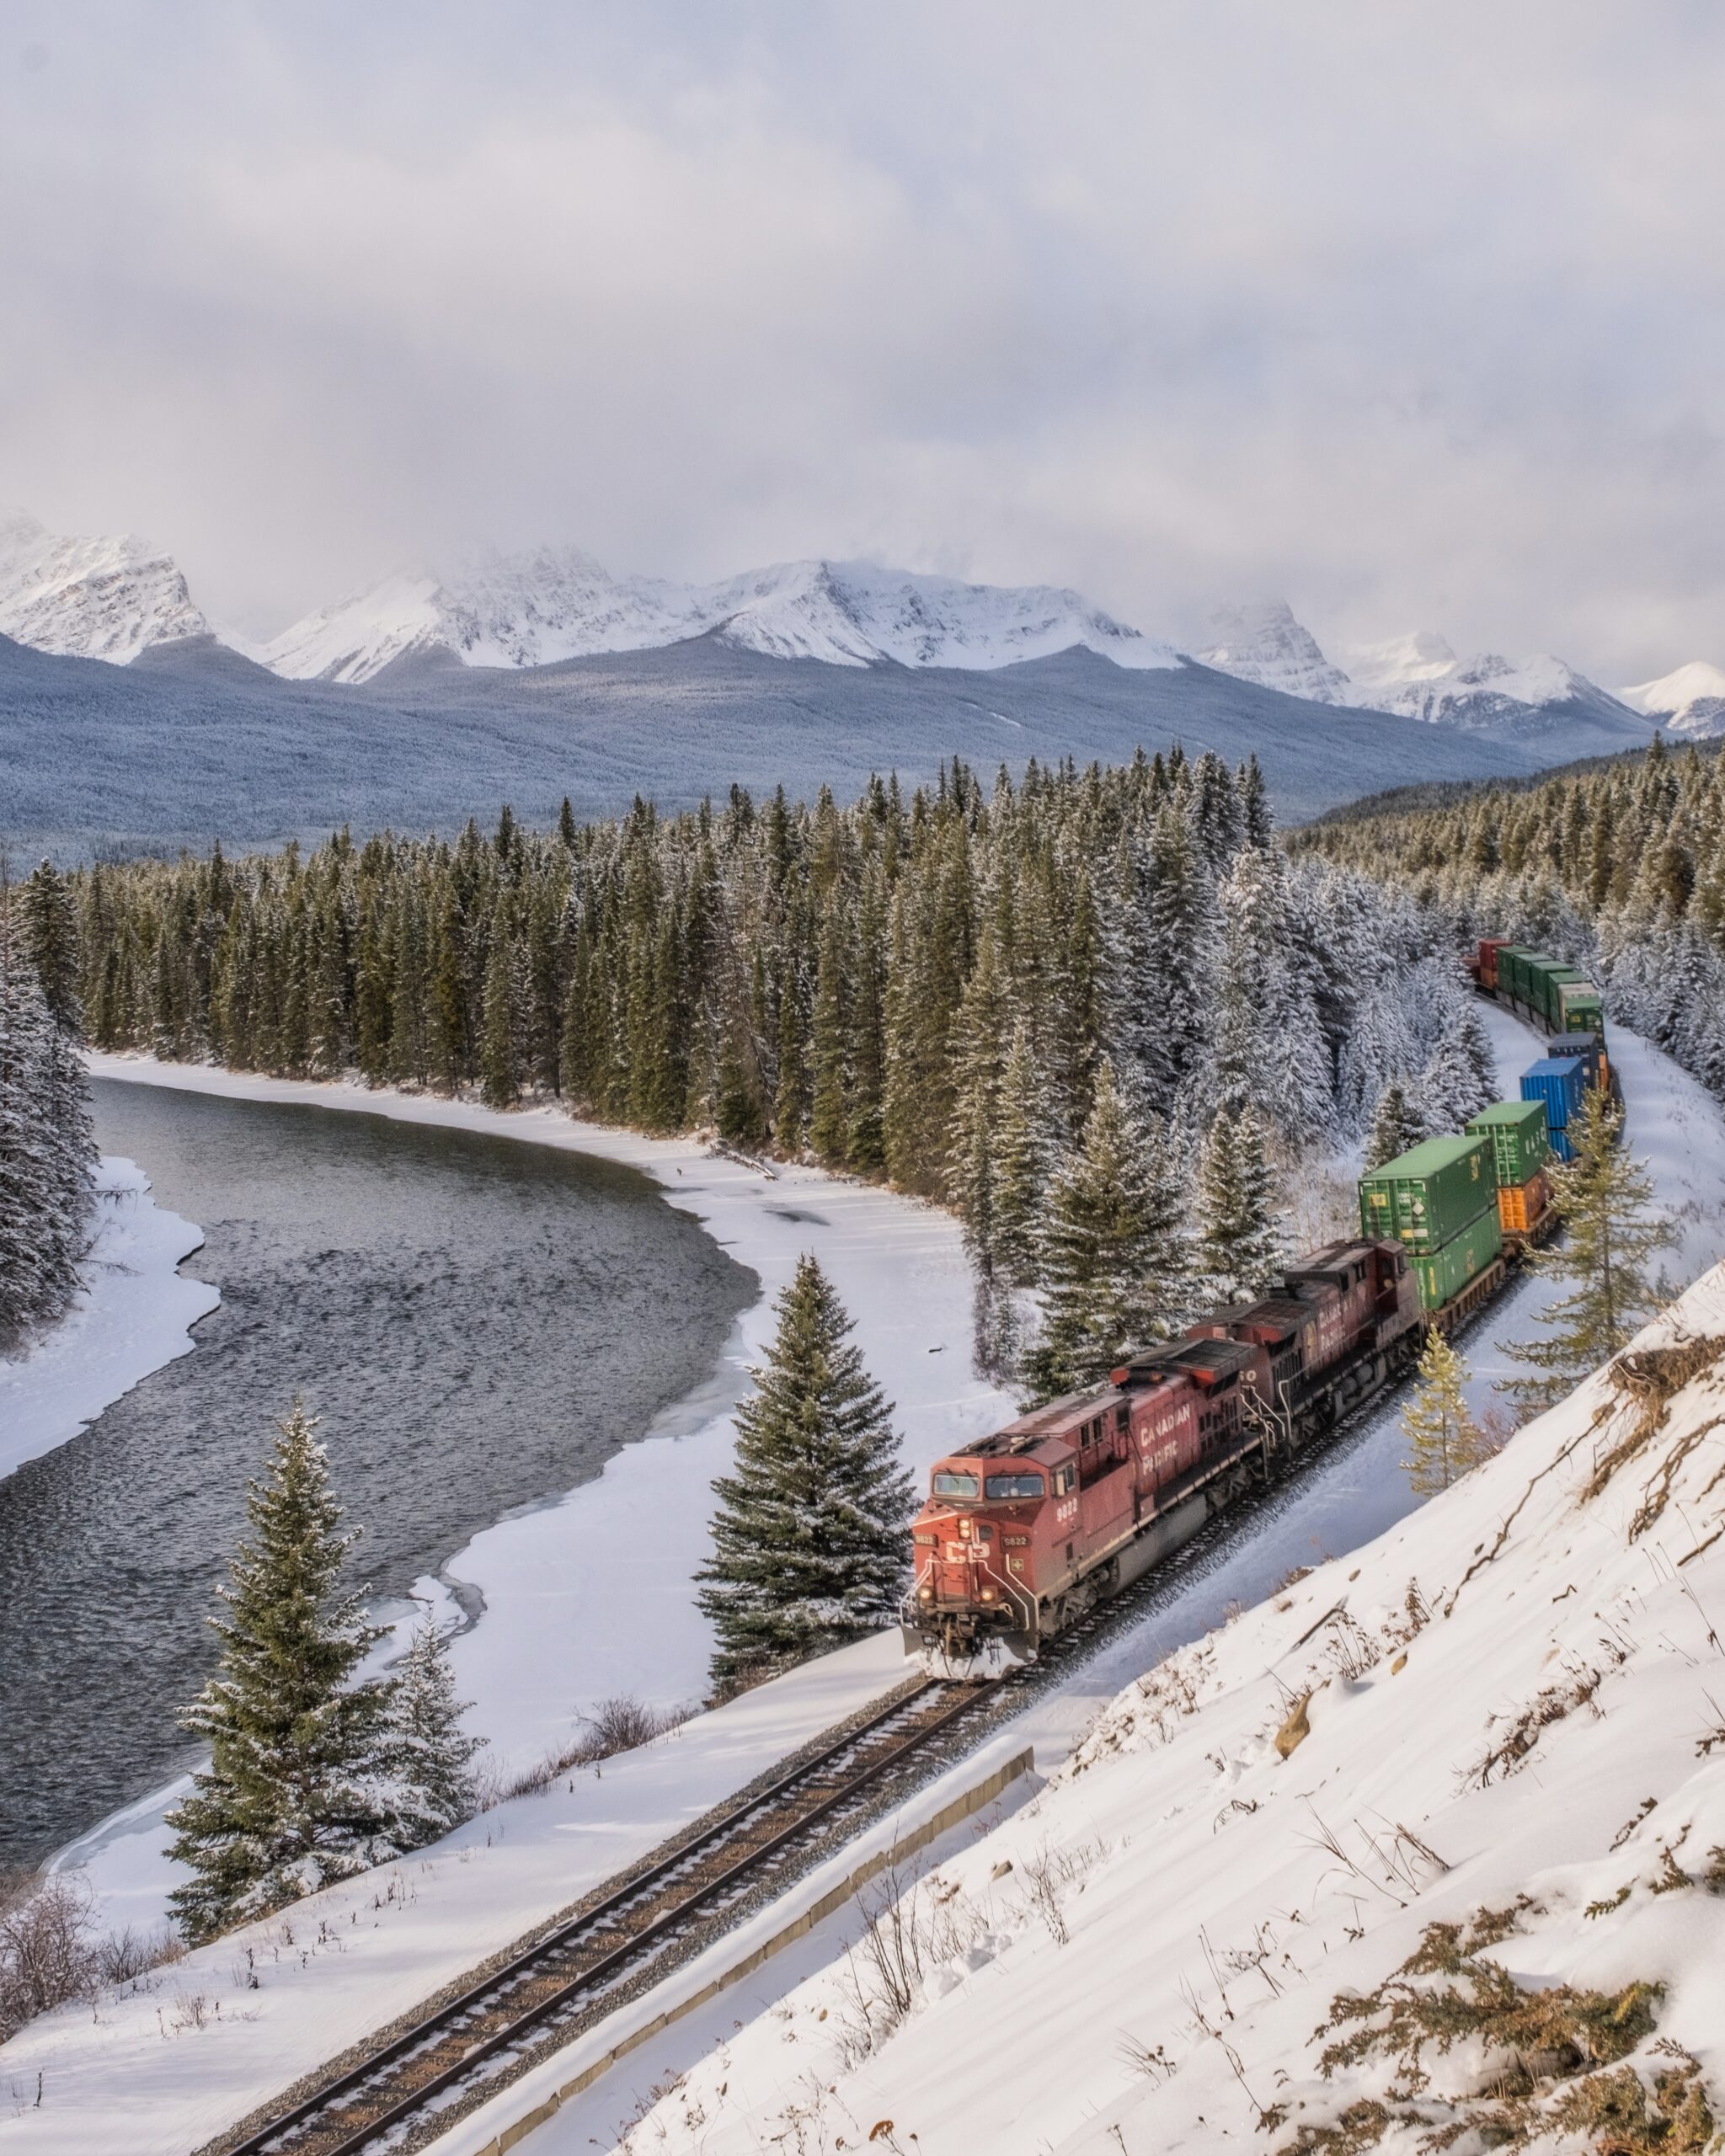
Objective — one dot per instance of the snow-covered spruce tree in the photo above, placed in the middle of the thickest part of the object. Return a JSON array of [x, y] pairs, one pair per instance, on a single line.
[[46, 1149], [1444, 1441], [49, 923], [295, 1793], [809, 1537], [1239, 1247], [426, 1752], [1603, 1199], [1020, 1164], [1396, 1127], [1114, 1263]]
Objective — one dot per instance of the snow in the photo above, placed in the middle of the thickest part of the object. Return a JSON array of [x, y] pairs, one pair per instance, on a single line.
[[556, 603], [1385, 1746], [140, 2075], [1421, 676], [553, 1579], [134, 1313], [1217, 1897], [1692, 699], [1264, 643], [104, 598], [1418, 676]]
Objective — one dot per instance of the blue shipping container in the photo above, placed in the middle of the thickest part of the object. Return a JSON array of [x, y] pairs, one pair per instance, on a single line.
[[1559, 1081], [1560, 1145]]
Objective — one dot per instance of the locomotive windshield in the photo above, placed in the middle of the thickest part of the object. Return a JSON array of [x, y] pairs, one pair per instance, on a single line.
[[948, 1485], [1014, 1486]]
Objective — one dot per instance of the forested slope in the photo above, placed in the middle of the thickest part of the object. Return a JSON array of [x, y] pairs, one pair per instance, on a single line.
[[1619, 868], [929, 989]]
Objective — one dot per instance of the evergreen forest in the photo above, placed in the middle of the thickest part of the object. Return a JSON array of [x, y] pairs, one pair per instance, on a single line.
[[1619, 868], [947, 991], [46, 1151]]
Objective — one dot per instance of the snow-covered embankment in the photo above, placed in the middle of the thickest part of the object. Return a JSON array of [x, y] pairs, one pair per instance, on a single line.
[[134, 1313], [1514, 1702]]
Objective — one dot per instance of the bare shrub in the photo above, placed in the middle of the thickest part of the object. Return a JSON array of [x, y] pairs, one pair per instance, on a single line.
[[911, 1927], [51, 1951], [1050, 1877], [621, 1723]]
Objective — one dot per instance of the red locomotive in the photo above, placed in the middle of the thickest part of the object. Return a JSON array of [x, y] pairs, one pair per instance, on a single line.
[[1026, 1530]]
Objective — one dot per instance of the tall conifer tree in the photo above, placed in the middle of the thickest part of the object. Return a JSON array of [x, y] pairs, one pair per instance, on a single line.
[[1604, 1201], [1239, 1228], [295, 1793], [809, 1538], [1113, 1257]]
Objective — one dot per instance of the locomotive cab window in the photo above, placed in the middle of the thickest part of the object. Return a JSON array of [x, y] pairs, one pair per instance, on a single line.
[[948, 1485], [1062, 1479], [1014, 1486]]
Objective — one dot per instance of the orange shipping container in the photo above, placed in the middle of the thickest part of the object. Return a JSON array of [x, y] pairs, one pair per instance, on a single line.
[[1520, 1205]]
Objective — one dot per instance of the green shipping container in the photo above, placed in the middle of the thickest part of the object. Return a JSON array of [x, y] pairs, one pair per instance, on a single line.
[[1516, 1130], [1544, 977], [1514, 973], [1442, 1275], [1579, 1010], [1429, 1195]]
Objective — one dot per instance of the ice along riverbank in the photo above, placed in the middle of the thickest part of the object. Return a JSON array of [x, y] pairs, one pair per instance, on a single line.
[[134, 1313], [592, 1594]]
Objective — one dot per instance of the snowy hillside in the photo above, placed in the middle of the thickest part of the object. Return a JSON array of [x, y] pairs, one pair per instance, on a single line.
[[536, 609], [1690, 702], [90, 598], [1431, 1844]]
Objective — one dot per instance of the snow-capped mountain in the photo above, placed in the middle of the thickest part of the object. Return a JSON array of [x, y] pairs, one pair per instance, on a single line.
[[1690, 702], [90, 598], [1264, 643], [1419, 675], [534, 609]]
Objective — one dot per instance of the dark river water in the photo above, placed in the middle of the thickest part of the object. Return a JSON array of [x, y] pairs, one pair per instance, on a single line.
[[480, 1323]]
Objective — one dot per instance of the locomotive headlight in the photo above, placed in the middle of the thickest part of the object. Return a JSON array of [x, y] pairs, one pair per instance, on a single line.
[[988, 1594], [925, 1594]]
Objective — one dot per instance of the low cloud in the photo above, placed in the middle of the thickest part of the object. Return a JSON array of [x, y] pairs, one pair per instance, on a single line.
[[1413, 315]]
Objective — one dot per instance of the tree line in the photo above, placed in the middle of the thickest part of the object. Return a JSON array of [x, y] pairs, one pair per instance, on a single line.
[[47, 1154], [975, 993], [1619, 869]]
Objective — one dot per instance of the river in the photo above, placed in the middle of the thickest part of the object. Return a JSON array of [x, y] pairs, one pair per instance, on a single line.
[[479, 1324]]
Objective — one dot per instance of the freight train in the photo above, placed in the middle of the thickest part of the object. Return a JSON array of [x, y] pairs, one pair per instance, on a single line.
[[1027, 1530]]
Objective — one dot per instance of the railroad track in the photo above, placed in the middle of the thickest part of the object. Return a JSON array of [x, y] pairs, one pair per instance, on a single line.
[[571, 1970]]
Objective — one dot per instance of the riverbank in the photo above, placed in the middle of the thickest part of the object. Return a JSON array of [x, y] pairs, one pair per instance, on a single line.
[[592, 1594], [411, 1925], [134, 1313]]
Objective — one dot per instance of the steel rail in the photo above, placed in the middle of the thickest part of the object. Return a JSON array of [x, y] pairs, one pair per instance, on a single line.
[[303, 2119]]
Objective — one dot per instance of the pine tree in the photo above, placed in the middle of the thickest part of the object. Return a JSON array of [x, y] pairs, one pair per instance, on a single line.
[[1395, 1129], [809, 1538], [293, 1796], [1020, 1165], [426, 1752], [46, 1149], [51, 941], [1114, 1254], [1444, 1441], [499, 1067], [1239, 1246], [1603, 1198]]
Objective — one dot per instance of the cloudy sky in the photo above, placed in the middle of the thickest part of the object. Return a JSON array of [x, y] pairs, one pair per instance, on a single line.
[[1412, 313]]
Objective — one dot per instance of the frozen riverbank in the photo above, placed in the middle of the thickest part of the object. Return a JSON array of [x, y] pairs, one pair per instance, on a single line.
[[134, 1313], [592, 1595]]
